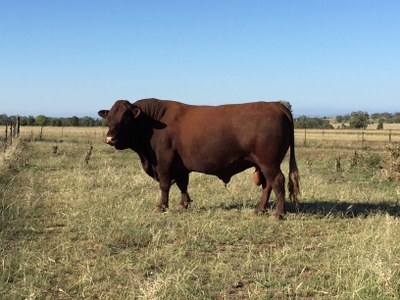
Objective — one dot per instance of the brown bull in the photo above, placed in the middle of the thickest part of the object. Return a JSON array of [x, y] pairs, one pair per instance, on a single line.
[[173, 139]]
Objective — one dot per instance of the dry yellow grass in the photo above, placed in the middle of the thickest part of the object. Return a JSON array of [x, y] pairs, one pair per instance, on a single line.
[[391, 126], [71, 230]]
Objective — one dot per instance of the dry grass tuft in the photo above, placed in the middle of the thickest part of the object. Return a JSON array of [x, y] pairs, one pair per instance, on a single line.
[[392, 169]]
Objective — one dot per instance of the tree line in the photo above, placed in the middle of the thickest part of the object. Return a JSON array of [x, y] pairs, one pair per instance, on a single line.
[[356, 120], [42, 120], [375, 117], [362, 119]]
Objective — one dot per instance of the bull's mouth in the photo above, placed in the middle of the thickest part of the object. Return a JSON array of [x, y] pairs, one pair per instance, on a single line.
[[118, 145], [114, 144]]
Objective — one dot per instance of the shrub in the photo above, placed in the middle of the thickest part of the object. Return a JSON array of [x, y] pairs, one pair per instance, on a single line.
[[306, 122], [371, 160], [359, 119], [392, 169], [380, 125]]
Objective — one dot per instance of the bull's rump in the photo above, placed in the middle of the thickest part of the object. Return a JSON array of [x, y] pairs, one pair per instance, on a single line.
[[227, 139]]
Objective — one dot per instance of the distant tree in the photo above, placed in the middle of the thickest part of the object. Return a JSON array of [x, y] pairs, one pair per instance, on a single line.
[[396, 117], [64, 121], [23, 121], [380, 124], [73, 121], [87, 121], [55, 122], [342, 118], [287, 104], [41, 120], [4, 119], [359, 119], [31, 121], [386, 116], [375, 116], [28, 121]]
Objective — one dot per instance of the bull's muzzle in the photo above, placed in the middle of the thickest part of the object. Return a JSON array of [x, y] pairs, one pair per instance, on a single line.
[[110, 140]]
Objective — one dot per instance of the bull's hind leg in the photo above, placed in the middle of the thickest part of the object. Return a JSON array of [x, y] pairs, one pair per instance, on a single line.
[[262, 207], [276, 180], [182, 184]]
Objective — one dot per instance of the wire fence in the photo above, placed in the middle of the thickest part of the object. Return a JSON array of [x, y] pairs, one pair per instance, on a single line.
[[303, 137], [10, 133], [349, 137]]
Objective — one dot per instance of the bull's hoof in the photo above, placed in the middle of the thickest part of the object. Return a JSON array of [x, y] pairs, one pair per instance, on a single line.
[[160, 209], [182, 207], [278, 217]]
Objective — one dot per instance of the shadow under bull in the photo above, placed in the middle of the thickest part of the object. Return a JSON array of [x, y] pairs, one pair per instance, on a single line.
[[342, 209], [349, 209]]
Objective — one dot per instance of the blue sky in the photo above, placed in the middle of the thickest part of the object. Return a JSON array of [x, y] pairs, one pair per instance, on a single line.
[[63, 58]]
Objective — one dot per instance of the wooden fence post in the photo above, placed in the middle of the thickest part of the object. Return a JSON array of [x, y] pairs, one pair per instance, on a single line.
[[390, 135], [305, 137], [41, 133], [362, 139], [17, 126], [11, 132]]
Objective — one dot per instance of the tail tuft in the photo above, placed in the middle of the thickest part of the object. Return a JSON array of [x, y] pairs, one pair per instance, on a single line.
[[294, 187]]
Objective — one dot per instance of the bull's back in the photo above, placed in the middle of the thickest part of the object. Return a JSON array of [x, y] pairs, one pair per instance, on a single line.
[[217, 137]]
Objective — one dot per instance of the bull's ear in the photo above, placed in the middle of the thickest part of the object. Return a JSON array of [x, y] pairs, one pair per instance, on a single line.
[[103, 113], [135, 111]]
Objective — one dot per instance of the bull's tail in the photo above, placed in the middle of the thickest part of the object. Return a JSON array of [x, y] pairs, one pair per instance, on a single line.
[[294, 177]]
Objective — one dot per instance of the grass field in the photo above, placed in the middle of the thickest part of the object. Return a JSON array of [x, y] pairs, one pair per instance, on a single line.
[[76, 230]]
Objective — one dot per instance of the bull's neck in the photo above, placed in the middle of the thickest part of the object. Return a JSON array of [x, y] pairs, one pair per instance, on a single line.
[[153, 108]]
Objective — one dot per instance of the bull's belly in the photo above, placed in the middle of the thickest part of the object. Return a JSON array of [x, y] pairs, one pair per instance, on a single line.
[[223, 170]]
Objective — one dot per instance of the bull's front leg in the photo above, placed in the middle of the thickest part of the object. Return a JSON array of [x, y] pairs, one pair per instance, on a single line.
[[165, 185], [165, 177], [182, 184]]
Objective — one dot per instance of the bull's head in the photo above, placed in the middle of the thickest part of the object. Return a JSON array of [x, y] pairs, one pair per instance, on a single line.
[[121, 122]]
